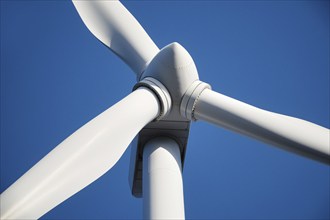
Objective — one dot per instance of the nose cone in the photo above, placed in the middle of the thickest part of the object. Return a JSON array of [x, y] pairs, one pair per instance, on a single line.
[[171, 58], [176, 56], [173, 67]]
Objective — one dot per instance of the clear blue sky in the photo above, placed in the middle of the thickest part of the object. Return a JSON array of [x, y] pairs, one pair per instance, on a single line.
[[55, 76]]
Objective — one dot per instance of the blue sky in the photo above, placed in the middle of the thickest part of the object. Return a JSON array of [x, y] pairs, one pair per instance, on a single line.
[[55, 76]]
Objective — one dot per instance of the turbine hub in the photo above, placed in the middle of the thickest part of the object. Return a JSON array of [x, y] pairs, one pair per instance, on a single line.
[[175, 69]]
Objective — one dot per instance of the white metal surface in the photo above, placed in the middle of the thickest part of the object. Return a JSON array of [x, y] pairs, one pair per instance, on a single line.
[[162, 93], [292, 134], [178, 131], [80, 159], [174, 67], [117, 28], [162, 180]]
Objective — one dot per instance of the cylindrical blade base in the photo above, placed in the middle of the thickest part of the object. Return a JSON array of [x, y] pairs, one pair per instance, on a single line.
[[162, 180]]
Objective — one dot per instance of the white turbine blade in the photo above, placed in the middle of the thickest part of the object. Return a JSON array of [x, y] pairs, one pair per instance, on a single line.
[[117, 28], [289, 133], [80, 159]]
